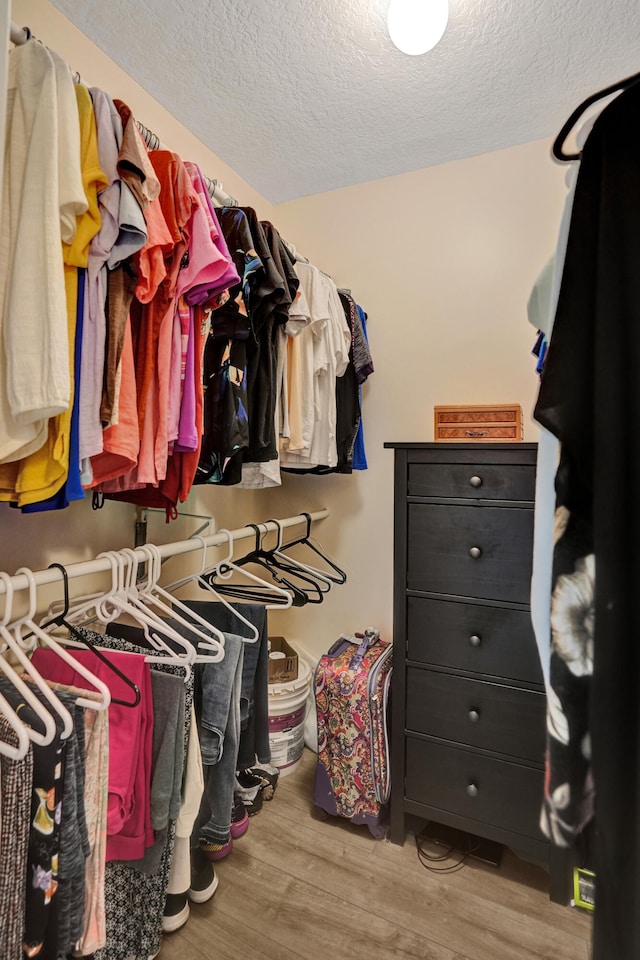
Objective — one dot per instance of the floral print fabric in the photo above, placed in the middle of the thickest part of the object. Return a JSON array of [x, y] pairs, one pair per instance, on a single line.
[[349, 739], [569, 797]]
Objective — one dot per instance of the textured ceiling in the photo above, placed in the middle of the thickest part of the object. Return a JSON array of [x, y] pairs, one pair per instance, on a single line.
[[303, 96]]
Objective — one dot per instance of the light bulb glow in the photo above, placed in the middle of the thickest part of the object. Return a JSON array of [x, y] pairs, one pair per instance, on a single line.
[[416, 26]]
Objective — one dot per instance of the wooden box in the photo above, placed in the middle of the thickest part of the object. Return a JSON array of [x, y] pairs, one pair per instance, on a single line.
[[481, 423]]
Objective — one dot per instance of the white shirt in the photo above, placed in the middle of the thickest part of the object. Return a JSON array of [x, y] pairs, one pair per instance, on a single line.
[[330, 342], [39, 204]]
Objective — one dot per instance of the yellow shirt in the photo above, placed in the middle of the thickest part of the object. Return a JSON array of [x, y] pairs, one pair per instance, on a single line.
[[43, 473]]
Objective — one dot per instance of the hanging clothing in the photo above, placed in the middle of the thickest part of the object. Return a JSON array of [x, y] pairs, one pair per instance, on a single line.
[[134, 900], [72, 488], [16, 780], [254, 693], [329, 357], [192, 791], [40, 931], [363, 362], [43, 473], [120, 357], [589, 401], [129, 829], [167, 763], [35, 382], [226, 427]]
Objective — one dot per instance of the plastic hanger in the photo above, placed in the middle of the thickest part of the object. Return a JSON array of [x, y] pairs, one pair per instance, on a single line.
[[17, 649], [60, 621], [88, 609], [282, 569], [301, 594], [258, 591], [199, 578], [21, 749], [285, 562], [558, 143], [98, 605], [212, 640], [47, 640], [122, 598], [335, 574]]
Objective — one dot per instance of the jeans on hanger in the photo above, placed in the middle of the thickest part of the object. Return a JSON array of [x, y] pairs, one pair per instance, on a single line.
[[217, 705], [219, 744], [254, 698]]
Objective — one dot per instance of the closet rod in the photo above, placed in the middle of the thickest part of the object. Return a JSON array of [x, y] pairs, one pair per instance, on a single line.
[[215, 188], [20, 35], [101, 564]]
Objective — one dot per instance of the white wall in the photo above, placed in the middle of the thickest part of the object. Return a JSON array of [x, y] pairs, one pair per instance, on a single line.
[[443, 261]]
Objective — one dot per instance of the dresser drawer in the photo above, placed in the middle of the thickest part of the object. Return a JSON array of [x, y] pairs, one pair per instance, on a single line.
[[477, 713], [467, 636], [497, 792], [461, 480], [443, 538]]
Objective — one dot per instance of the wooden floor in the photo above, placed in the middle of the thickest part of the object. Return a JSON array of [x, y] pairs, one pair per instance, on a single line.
[[297, 888]]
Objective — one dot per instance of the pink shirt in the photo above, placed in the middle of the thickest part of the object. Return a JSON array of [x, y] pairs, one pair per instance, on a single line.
[[129, 829], [203, 288]]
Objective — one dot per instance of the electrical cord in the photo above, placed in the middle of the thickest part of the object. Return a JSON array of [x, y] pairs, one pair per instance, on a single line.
[[428, 859]]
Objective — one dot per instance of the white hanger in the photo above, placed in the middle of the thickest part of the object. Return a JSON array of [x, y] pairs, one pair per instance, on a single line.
[[86, 609], [199, 578], [47, 640], [6, 749], [16, 647], [231, 567], [98, 605], [212, 640], [36, 705], [143, 596], [20, 750], [123, 599]]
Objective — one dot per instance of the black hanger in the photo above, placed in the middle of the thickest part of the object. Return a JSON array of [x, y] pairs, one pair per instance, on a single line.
[[248, 592], [558, 143], [321, 583], [340, 575], [61, 621], [307, 584]]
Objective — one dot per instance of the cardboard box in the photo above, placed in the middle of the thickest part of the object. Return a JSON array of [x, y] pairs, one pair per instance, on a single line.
[[285, 667]]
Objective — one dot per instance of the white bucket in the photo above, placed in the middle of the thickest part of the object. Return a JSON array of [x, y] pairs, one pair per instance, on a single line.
[[287, 712]]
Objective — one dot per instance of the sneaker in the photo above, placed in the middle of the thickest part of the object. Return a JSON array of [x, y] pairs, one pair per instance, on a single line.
[[204, 881], [216, 851], [176, 912], [248, 789], [239, 820], [268, 775]]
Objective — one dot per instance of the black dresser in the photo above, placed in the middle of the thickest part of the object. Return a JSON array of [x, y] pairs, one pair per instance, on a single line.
[[468, 736]]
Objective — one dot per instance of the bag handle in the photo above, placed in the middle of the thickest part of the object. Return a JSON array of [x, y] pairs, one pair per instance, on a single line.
[[370, 636], [364, 640]]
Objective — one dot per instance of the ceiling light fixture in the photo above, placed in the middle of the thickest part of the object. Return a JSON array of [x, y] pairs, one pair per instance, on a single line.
[[416, 26]]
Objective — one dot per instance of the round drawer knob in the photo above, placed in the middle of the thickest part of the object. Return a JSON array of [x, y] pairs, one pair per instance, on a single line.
[[472, 790], [475, 552], [476, 481], [475, 640], [474, 716]]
